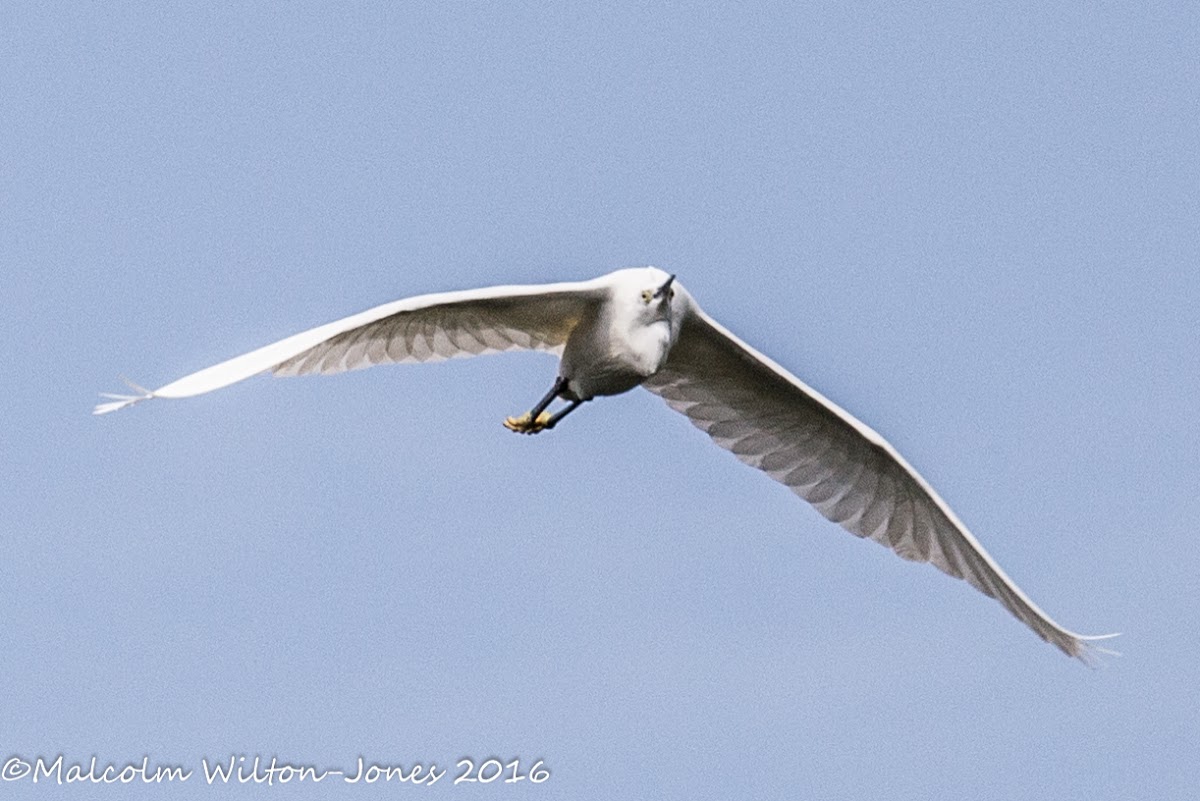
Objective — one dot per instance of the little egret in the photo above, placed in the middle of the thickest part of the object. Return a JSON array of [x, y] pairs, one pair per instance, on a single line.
[[640, 327]]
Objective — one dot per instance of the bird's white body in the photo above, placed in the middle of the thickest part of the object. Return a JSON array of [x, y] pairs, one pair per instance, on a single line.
[[623, 341], [634, 327]]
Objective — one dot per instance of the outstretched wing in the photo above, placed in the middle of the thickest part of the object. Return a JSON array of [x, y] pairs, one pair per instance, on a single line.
[[771, 420], [420, 329]]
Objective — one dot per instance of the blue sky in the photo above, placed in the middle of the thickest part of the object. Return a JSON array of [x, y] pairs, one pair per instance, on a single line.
[[972, 226]]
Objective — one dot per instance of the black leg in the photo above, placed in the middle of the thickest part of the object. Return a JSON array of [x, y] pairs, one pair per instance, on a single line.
[[560, 384], [553, 421]]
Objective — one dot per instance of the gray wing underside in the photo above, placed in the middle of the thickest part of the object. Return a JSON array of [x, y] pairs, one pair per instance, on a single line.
[[420, 329], [537, 320], [772, 421]]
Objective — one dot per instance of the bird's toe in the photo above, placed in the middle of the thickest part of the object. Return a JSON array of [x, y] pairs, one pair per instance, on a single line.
[[525, 424]]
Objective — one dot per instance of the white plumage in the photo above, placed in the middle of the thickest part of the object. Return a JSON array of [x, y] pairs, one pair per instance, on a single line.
[[636, 327]]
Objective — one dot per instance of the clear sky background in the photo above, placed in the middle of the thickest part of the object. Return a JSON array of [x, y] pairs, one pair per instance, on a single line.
[[973, 226]]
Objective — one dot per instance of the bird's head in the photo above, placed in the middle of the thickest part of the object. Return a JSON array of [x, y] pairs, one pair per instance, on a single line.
[[655, 300], [644, 296], [662, 294]]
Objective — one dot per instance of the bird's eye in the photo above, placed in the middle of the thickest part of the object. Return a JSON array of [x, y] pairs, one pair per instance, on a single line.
[[670, 294], [647, 295]]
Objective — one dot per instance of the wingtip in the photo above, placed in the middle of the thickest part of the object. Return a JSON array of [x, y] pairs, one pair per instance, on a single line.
[[121, 401], [1091, 654], [105, 408]]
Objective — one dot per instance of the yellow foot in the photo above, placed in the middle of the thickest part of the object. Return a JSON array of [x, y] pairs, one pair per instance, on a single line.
[[525, 424]]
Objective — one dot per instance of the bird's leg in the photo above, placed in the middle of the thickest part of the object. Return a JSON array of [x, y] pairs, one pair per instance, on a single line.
[[536, 418], [553, 421]]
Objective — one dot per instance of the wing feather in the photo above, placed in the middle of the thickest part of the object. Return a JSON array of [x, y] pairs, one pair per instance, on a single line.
[[771, 420], [419, 329]]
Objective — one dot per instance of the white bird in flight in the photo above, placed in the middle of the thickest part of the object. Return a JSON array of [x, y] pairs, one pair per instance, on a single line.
[[638, 326]]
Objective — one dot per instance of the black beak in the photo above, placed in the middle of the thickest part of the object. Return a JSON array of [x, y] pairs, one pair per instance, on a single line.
[[662, 290]]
